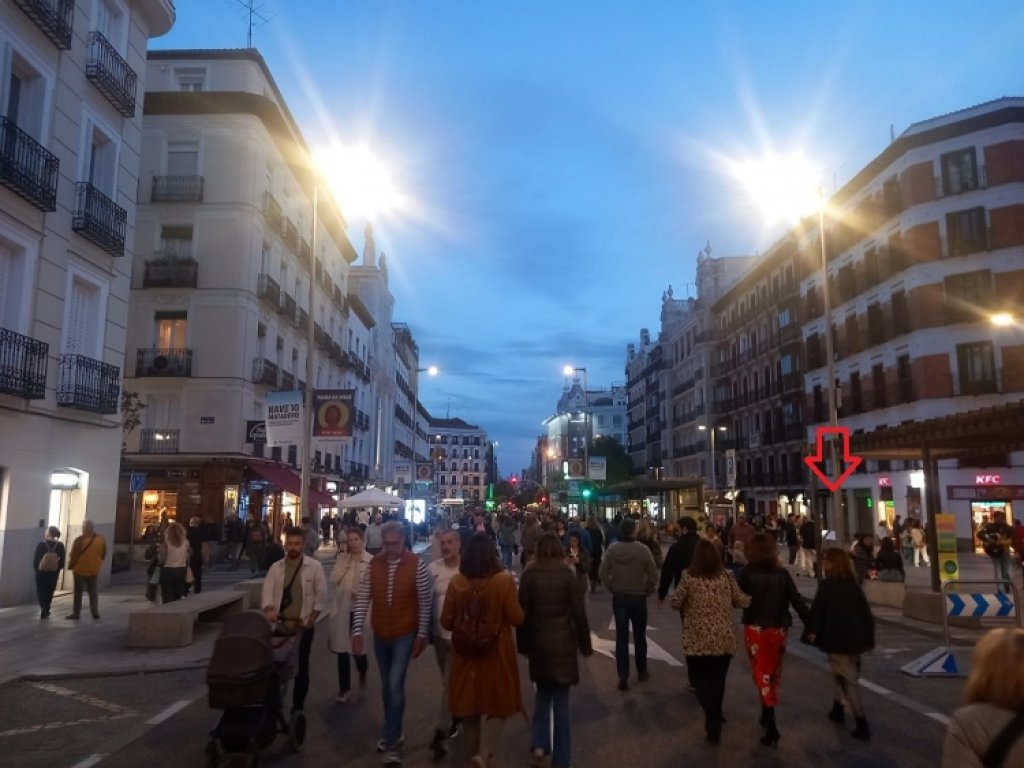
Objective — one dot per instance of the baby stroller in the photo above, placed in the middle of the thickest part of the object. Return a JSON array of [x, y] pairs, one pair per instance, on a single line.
[[248, 678]]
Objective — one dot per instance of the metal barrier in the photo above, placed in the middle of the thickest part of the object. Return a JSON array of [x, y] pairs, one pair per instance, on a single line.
[[942, 662]]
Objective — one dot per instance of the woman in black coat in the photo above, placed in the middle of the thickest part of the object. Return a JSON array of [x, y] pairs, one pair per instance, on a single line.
[[47, 573], [554, 631], [766, 624], [842, 625]]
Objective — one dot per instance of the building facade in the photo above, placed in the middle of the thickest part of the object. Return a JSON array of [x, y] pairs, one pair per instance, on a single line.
[[459, 453], [644, 363], [73, 76], [580, 416]]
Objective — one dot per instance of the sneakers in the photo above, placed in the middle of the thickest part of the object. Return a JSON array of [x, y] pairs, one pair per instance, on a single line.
[[342, 698], [73, 617], [455, 730], [382, 746], [392, 758]]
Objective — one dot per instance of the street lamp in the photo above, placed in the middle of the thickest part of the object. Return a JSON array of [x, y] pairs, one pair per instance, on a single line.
[[569, 370], [838, 521], [430, 370], [1002, 319], [704, 428]]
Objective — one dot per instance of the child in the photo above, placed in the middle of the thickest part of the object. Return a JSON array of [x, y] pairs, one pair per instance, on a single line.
[[841, 625]]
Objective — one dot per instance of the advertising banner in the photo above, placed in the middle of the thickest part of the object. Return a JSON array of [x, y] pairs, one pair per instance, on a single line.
[[597, 468], [256, 432], [575, 468], [333, 413], [284, 418], [730, 468], [424, 472], [945, 529], [403, 472]]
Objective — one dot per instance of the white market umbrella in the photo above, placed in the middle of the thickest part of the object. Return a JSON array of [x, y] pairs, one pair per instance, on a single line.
[[371, 497]]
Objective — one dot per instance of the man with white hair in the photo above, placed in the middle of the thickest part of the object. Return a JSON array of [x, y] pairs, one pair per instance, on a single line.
[[87, 555]]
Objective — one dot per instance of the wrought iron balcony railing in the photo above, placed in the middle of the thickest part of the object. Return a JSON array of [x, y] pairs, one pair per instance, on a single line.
[[159, 441], [111, 75], [268, 290], [272, 211], [287, 381], [362, 420], [290, 235], [171, 273], [27, 168], [54, 17], [22, 365], [266, 372], [286, 306], [99, 219], [87, 384], [177, 189], [163, 362]]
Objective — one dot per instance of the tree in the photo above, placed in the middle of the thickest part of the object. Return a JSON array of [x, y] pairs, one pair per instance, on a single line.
[[131, 415], [620, 466]]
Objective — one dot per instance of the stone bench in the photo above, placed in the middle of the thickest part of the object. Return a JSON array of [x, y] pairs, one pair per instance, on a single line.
[[890, 594], [253, 590], [172, 625]]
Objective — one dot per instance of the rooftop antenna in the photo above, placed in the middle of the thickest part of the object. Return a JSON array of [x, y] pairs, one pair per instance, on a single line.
[[448, 413], [254, 15]]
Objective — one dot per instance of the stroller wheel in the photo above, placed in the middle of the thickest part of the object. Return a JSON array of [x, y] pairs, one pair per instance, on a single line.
[[212, 754], [296, 731]]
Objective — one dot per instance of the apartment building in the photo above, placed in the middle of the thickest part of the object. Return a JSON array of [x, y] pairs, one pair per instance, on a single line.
[[644, 394], [459, 452], [581, 415], [72, 74], [227, 272], [926, 249]]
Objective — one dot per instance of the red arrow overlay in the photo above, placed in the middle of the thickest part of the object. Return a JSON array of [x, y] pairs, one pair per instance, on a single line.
[[817, 462]]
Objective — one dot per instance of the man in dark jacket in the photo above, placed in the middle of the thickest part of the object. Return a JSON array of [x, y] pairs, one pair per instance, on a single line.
[[792, 539], [808, 564], [678, 558]]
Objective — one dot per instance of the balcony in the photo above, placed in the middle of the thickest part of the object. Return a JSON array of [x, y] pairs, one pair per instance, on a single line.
[[290, 235], [272, 211], [362, 420], [794, 432], [268, 290], [27, 168], [338, 299], [171, 273], [22, 365], [159, 441], [99, 219], [286, 306], [725, 405], [320, 337], [301, 319], [790, 382], [356, 470], [303, 252], [287, 381], [266, 373], [163, 362], [177, 189], [111, 75], [944, 188], [88, 385], [55, 18]]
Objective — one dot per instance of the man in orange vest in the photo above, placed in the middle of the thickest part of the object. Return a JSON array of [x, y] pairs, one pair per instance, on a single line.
[[397, 585]]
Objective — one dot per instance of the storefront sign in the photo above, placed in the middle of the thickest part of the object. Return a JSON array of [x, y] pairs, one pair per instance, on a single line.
[[256, 432], [284, 418], [985, 492], [333, 413], [988, 479], [207, 419], [885, 482]]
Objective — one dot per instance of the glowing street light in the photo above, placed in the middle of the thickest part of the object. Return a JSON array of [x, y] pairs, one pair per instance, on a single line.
[[359, 180], [1002, 319]]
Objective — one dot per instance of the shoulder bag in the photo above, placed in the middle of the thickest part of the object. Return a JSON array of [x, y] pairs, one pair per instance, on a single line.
[[1003, 742]]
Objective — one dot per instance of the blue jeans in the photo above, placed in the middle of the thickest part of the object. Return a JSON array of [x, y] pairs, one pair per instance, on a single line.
[[551, 696], [630, 609], [1001, 567], [506, 557], [393, 658]]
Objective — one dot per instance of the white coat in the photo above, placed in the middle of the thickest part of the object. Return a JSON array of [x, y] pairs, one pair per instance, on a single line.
[[346, 575]]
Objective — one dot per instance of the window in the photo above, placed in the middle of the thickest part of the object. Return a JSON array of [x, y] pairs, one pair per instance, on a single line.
[[83, 317], [171, 329], [99, 157], [878, 384], [26, 96], [852, 335], [966, 232], [871, 276], [959, 171], [900, 318], [819, 405], [856, 394], [876, 330], [977, 369], [968, 295], [785, 317], [847, 280], [182, 158], [109, 20], [17, 259], [190, 78], [176, 242], [905, 378]]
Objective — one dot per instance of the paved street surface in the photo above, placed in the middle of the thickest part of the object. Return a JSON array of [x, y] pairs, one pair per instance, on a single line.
[[73, 711]]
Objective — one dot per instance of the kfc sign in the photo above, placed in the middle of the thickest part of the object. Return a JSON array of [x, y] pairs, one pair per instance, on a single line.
[[988, 479], [885, 482]]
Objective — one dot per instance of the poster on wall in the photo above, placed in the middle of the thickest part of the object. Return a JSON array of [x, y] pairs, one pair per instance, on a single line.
[[284, 418], [403, 472], [333, 413], [597, 468]]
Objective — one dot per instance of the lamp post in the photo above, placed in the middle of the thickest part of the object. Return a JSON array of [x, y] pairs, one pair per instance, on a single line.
[[711, 432], [430, 370], [838, 521], [307, 400], [569, 370]]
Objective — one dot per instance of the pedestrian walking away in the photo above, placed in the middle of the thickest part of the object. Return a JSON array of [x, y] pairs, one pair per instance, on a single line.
[[705, 597], [840, 623], [442, 571], [996, 538], [554, 631], [629, 573], [173, 559], [198, 536], [988, 730], [481, 609], [48, 562], [678, 558], [596, 550], [396, 591], [920, 544], [808, 555], [350, 564], [766, 623], [293, 597], [88, 552]]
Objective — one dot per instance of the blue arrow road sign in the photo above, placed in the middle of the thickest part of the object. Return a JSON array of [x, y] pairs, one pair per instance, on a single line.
[[1005, 604], [954, 605], [980, 605]]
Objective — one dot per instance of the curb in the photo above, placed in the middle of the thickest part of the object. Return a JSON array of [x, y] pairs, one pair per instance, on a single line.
[[68, 674]]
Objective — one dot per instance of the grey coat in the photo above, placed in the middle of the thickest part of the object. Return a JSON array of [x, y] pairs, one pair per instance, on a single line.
[[555, 629], [972, 729]]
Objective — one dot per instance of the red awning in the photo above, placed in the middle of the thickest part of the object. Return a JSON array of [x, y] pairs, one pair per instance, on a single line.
[[285, 479]]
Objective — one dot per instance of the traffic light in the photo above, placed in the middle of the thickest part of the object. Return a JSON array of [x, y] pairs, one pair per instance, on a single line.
[[586, 491]]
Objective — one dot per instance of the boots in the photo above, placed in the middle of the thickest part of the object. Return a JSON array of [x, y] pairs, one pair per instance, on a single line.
[[764, 716], [771, 731], [438, 746], [861, 732], [837, 715]]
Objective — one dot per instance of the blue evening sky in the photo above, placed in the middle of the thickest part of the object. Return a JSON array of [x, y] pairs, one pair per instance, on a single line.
[[563, 160]]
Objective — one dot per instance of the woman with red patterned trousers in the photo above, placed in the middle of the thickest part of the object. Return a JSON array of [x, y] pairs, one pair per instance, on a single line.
[[766, 624]]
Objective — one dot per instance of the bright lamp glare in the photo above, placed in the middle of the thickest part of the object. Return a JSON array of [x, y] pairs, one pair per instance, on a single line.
[[568, 370], [359, 180], [1002, 319], [784, 187], [432, 370]]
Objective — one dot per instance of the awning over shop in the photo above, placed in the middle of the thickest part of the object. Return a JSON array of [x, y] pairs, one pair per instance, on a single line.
[[286, 480]]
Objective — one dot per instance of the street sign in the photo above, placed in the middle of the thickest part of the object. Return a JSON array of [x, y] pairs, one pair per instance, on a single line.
[[978, 606], [816, 462], [137, 482], [942, 662], [945, 529]]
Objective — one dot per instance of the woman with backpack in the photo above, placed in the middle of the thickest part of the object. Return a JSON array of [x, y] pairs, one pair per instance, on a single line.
[[480, 609], [554, 631], [48, 562]]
